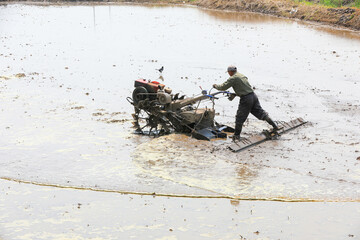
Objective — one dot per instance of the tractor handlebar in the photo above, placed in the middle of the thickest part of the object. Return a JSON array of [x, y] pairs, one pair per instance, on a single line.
[[230, 95]]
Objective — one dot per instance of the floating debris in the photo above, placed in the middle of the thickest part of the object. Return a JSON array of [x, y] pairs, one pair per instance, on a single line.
[[18, 75]]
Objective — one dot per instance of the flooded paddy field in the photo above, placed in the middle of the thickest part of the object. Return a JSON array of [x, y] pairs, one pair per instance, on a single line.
[[66, 138]]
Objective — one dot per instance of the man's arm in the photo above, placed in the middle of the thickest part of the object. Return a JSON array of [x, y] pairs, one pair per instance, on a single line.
[[225, 85]]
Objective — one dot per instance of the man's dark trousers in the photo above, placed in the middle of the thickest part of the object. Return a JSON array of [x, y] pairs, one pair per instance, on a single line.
[[248, 104]]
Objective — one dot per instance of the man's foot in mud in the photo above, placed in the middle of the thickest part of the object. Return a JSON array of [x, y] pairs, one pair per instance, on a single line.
[[236, 138], [276, 130]]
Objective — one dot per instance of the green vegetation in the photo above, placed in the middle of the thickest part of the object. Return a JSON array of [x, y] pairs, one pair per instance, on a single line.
[[333, 3]]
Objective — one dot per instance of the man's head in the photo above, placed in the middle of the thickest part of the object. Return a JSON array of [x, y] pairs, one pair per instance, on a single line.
[[231, 70]]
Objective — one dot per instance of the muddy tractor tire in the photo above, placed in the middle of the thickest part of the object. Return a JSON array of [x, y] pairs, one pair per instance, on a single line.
[[139, 94]]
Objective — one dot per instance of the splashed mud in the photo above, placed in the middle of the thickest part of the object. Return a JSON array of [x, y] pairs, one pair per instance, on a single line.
[[246, 176]]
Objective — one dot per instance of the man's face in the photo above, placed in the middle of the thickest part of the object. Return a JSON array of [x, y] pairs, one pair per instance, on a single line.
[[231, 73]]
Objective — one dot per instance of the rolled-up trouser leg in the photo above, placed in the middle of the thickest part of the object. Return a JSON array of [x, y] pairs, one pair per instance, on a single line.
[[243, 111]]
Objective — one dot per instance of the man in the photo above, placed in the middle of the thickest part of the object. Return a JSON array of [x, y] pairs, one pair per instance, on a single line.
[[249, 103]]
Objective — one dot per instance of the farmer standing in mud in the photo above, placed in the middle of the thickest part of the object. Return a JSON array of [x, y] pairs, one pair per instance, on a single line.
[[249, 103]]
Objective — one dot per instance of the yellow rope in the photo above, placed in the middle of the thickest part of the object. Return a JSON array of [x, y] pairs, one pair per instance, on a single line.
[[171, 195]]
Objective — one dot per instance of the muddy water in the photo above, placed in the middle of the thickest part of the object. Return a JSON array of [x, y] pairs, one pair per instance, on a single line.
[[35, 212], [67, 123]]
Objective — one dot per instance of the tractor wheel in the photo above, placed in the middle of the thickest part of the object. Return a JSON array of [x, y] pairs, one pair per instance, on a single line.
[[146, 123], [139, 94], [149, 124]]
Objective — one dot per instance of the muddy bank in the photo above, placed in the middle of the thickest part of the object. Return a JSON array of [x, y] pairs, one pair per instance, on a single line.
[[344, 17]]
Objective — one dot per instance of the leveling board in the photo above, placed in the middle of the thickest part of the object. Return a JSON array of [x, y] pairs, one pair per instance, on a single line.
[[259, 138]]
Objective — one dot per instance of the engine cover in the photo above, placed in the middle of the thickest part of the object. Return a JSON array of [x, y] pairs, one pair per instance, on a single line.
[[164, 98], [151, 86]]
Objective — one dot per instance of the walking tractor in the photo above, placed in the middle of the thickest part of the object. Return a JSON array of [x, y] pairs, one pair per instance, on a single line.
[[159, 112]]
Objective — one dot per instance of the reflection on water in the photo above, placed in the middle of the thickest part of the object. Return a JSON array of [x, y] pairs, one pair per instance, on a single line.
[[343, 33], [246, 17], [95, 16], [254, 18]]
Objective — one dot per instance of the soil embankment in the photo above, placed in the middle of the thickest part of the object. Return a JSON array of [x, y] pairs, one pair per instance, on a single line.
[[346, 17]]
